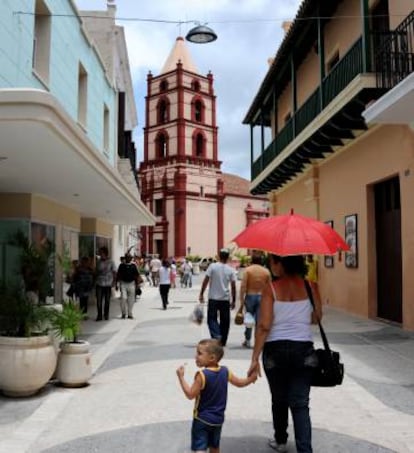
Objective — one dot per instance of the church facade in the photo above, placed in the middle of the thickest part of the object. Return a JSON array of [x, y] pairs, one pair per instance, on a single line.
[[198, 208]]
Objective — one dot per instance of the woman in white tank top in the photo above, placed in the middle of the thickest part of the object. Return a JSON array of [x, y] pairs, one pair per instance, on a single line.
[[284, 335]]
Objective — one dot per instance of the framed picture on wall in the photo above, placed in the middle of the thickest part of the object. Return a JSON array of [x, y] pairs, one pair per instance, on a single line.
[[329, 259], [351, 238]]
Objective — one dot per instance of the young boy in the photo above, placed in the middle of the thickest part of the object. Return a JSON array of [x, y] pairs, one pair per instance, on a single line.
[[210, 390]]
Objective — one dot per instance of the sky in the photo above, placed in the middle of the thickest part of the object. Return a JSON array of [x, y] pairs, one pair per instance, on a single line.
[[249, 33]]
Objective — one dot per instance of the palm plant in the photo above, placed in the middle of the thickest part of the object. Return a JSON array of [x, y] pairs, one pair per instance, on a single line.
[[34, 264], [19, 317], [67, 323]]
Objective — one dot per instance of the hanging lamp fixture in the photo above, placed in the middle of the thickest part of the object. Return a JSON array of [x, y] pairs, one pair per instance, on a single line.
[[201, 34]]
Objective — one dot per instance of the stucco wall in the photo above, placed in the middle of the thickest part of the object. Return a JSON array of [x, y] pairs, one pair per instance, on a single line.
[[235, 215], [399, 10], [343, 29], [69, 47], [346, 187], [201, 226], [307, 77]]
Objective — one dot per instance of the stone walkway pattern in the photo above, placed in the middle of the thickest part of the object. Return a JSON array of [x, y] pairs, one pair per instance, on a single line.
[[134, 402]]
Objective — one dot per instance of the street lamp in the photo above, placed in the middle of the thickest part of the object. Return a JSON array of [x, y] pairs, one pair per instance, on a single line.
[[201, 34]]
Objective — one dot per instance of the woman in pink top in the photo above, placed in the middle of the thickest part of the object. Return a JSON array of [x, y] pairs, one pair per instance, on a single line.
[[284, 335]]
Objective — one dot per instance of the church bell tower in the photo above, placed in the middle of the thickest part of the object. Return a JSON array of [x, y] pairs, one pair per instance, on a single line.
[[180, 175]]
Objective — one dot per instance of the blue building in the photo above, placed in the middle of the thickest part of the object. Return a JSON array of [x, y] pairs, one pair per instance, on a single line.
[[67, 158]]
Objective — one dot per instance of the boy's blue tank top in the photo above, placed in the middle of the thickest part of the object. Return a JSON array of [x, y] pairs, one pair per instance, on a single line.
[[211, 403]]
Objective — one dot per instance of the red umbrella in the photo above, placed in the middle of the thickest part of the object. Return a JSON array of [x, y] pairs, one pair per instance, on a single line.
[[291, 234]]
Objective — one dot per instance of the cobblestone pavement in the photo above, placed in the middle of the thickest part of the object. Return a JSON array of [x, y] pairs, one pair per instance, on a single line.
[[134, 402]]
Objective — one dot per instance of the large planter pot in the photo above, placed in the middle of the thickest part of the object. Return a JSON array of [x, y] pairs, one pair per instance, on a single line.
[[74, 367], [27, 364]]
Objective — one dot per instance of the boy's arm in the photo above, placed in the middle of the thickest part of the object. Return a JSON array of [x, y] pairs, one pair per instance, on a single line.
[[242, 382], [193, 391]]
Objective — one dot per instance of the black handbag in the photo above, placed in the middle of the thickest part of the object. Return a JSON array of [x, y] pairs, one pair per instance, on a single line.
[[328, 370]]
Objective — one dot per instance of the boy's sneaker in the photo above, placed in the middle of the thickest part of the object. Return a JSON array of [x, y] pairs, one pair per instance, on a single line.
[[246, 344], [282, 448]]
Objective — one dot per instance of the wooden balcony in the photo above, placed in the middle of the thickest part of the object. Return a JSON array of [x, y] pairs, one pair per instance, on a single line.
[[319, 126]]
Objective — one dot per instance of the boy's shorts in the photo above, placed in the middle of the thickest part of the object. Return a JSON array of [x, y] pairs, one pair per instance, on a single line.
[[204, 436]]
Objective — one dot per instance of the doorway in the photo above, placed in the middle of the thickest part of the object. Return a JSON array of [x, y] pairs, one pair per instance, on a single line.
[[159, 247], [388, 248]]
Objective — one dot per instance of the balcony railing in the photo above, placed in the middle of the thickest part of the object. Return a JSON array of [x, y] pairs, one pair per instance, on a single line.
[[340, 76], [342, 73], [394, 58]]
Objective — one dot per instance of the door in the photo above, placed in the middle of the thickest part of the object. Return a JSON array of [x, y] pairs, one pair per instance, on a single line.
[[388, 248]]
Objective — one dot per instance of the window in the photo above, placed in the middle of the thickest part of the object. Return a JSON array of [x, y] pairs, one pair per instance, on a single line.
[[41, 40], [199, 145], [158, 208], [332, 62], [163, 85], [163, 111], [198, 111], [106, 129], [287, 118], [82, 95], [201, 191], [161, 146], [195, 85]]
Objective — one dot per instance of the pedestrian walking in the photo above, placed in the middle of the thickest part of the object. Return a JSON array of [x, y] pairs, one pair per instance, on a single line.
[[173, 268], [255, 278], [221, 279], [165, 282], [128, 278], [284, 335], [155, 265], [105, 280], [209, 389], [187, 274], [83, 281]]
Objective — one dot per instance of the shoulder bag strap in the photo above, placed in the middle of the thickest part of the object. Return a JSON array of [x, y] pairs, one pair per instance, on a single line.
[[323, 335]]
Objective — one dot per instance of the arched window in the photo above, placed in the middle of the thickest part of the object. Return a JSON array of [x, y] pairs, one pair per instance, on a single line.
[[163, 85], [161, 146], [198, 111], [199, 145], [195, 85], [163, 112]]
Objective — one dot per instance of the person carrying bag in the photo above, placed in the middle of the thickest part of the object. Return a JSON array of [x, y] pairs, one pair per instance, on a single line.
[[328, 370]]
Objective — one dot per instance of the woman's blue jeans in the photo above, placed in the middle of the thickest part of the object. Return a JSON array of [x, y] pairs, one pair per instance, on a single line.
[[289, 381], [252, 304], [219, 309]]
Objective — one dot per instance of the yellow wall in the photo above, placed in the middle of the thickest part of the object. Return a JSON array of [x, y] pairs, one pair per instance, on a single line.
[[37, 208], [96, 226]]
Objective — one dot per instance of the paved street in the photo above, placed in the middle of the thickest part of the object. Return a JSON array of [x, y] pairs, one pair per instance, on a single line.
[[134, 402]]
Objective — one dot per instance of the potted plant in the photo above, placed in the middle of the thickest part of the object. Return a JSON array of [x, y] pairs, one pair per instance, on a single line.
[[244, 261], [34, 266], [27, 355], [74, 368]]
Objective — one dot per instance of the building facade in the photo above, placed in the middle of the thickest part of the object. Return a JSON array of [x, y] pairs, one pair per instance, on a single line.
[[61, 125], [198, 208], [327, 161]]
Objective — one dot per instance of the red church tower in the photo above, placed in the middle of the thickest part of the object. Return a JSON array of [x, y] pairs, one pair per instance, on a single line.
[[181, 180]]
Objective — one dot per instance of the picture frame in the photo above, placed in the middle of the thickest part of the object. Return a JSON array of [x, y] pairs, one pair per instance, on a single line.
[[329, 260], [351, 238]]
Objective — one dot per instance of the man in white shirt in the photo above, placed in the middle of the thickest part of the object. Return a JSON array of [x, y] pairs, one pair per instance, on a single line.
[[187, 269], [222, 284], [155, 265]]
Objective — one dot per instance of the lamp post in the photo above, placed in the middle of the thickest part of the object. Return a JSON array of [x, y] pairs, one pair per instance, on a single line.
[[201, 34]]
